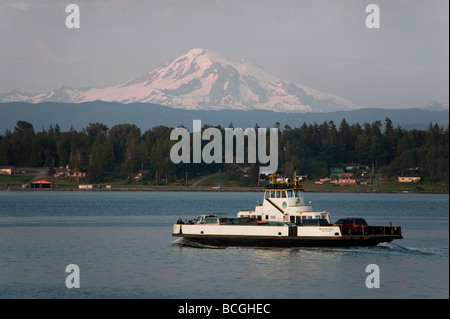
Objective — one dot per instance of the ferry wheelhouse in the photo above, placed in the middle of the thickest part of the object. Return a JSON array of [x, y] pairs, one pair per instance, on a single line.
[[284, 202]]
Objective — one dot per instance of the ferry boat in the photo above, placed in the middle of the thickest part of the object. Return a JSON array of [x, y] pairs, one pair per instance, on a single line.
[[282, 220]]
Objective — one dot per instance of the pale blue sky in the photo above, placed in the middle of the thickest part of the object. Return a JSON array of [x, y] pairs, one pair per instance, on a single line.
[[323, 44]]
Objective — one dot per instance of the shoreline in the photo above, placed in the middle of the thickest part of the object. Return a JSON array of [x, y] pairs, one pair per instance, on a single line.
[[222, 190], [208, 183]]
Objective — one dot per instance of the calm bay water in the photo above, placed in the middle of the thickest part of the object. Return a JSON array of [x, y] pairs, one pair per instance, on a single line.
[[122, 243]]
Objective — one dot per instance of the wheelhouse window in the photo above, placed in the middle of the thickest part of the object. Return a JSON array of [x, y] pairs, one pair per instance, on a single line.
[[279, 194]]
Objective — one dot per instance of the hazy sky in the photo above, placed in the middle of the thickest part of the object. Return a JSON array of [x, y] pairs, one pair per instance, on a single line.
[[323, 44]]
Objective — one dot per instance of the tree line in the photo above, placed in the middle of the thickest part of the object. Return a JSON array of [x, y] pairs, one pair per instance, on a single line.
[[309, 149]]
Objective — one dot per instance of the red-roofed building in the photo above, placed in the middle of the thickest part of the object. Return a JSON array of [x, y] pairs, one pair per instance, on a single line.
[[41, 183]]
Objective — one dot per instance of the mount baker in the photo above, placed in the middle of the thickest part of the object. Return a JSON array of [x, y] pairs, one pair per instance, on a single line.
[[201, 80]]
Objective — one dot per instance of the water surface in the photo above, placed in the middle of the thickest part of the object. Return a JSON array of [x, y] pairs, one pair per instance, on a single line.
[[122, 243]]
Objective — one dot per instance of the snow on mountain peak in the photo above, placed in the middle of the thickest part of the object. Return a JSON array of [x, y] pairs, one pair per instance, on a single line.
[[203, 79]]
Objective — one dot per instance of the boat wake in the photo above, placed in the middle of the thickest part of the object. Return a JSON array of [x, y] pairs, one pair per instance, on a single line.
[[183, 242], [394, 248]]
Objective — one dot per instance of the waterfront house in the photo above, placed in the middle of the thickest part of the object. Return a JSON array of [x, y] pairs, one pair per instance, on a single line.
[[346, 179], [41, 183], [7, 170], [408, 179]]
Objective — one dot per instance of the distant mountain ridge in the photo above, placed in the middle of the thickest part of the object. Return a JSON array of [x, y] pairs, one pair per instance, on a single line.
[[201, 80], [436, 106], [147, 116]]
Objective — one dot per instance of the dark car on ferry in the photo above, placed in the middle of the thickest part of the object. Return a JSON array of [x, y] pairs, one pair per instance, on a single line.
[[353, 226]]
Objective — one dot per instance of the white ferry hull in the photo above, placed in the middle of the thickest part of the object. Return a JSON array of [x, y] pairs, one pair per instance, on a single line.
[[276, 236]]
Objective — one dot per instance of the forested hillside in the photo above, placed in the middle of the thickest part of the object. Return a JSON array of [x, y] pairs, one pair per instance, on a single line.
[[311, 149]]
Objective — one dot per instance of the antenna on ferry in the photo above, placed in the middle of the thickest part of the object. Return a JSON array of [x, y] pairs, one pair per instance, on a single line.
[[295, 176]]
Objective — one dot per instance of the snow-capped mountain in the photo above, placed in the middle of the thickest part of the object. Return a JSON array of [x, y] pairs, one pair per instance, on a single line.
[[202, 79], [436, 106]]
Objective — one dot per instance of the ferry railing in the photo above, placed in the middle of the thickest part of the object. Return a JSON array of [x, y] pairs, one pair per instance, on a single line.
[[380, 230], [385, 230]]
